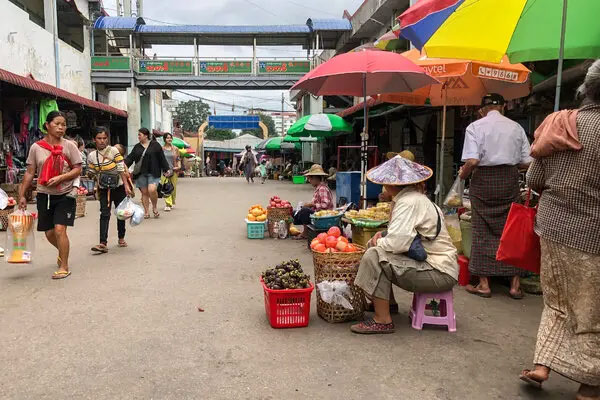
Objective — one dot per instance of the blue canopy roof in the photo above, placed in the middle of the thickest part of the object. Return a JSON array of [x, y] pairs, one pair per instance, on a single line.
[[224, 29], [118, 23]]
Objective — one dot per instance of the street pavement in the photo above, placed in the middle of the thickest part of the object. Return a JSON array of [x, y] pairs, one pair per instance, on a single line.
[[126, 325]]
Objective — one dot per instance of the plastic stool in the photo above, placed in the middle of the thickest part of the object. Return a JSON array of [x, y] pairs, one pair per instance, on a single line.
[[447, 316], [464, 276]]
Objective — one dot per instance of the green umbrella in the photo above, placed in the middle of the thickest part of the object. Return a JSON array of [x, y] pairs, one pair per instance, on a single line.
[[320, 125], [179, 143], [274, 144]]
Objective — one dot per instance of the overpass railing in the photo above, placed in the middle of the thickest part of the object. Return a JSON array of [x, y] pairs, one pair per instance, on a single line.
[[197, 66]]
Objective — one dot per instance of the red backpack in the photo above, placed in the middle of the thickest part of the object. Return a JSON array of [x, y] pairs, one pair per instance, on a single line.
[[53, 165]]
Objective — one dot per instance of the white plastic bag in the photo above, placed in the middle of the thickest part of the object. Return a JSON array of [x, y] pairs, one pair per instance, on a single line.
[[125, 209], [282, 229], [454, 198], [138, 215], [20, 238], [3, 199], [335, 292]]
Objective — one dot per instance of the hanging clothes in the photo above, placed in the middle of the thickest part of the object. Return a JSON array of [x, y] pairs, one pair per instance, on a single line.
[[46, 106]]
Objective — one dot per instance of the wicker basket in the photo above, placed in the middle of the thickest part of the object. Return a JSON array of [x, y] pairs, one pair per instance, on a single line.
[[4, 217], [80, 205], [339, 267], [278, 214]]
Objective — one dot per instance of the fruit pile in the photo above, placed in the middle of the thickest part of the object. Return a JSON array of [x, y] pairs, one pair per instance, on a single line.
[[256, 213], [81, 191], [326, 213], [332, 242], [276, 202], [286, 275], [11, 202], [381, 212]]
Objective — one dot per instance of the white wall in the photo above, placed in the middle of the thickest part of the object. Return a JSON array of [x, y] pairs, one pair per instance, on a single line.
[[118, 99], [26, 48]]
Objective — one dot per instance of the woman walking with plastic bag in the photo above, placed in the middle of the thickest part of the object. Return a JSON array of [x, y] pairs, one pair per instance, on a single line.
[[150, 164], [58, 163], [108, 168], [565, 171], [174, 159]]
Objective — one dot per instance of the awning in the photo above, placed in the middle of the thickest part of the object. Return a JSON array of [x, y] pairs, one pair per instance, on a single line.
[[32, 84]]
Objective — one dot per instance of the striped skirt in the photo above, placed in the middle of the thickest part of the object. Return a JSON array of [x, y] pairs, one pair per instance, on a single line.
[[492, 191], [568, 341]]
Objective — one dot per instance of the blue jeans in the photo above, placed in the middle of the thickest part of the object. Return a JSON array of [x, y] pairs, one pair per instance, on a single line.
[[143, 181]]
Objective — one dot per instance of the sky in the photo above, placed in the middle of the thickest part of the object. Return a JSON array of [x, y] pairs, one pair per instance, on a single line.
[[238, 12]]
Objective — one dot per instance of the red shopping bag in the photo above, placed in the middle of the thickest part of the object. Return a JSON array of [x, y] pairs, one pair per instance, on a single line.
[[519, 244], [53, 166]]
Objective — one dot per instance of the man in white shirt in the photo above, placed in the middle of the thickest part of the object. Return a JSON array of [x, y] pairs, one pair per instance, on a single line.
[[495, 148]]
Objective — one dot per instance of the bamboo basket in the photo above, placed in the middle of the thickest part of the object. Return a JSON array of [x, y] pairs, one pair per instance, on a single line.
[[80, 205], [339, 267], [4, 217], [277, 214]]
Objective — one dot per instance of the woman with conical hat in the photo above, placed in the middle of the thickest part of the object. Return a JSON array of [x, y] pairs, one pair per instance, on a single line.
[[322, 197], [392, 258]]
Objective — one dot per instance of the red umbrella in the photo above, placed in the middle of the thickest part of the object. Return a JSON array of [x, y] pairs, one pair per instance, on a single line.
[[361, 74]]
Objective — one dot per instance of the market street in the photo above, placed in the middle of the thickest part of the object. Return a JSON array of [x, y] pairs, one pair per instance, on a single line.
[[127, 325]]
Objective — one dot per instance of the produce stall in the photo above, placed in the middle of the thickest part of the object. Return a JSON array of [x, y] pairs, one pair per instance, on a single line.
[[366, 223]]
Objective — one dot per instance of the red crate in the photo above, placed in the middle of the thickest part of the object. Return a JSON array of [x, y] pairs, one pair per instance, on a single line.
[[288, 308]]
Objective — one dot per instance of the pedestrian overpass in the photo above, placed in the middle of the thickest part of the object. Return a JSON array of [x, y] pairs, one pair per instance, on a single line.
[[120, 44]]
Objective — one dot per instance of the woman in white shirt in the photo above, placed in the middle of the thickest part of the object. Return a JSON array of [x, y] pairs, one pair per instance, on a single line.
[[392, 258]]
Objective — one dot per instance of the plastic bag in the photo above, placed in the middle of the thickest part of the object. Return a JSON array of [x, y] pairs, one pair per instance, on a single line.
[[453, 227], [20, 238], [3, 199], [282, 229], [125, 209], [454, 198], [335, 292], [138, 215]]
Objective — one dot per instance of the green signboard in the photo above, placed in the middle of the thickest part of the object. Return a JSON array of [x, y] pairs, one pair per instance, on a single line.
[[283, 67], [100, 63], [225, 67], [165, 66]]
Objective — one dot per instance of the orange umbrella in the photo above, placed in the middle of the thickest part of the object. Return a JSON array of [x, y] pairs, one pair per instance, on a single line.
[[463, 83]]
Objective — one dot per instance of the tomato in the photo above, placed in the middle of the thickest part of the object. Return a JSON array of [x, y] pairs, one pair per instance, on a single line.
[[351, 248], [334, 231], [314, 243], [341, 245], [331, 242], [343, 239], [322, 237], [320, 248]]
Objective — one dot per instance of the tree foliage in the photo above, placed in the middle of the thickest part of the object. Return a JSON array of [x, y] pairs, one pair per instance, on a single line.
[[192, 114], [219, 134], [268, 121]]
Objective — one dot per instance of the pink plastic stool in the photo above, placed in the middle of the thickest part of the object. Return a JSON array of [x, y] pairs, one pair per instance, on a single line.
[[447, 316]]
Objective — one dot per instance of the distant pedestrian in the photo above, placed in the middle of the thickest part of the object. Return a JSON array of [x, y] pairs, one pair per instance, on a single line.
[[495, 148], [222, 168], [249, 164], [107, 162], [150, 164], [174, 159], [207, 165], [565, 172], [263, 171], [56, 210]]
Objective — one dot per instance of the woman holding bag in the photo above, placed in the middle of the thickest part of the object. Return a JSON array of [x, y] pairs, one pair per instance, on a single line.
[[107, 166], [150, 164], [565, 171], [174, 159]]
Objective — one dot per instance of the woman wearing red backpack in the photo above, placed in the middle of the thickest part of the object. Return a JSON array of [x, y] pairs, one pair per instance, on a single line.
[[58, 163]]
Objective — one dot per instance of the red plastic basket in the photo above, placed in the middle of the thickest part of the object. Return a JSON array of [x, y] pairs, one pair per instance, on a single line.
[[288, 308]]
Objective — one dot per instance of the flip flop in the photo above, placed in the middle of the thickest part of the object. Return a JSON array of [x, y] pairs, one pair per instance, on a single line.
[[156, 214], [122, 243], [100, 249], [518, 296], [60, 274], [530, 381], [146, 216], [473, 290]]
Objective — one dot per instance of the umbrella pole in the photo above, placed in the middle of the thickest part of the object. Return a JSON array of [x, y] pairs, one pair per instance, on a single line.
[[364, 148], [442, 150], [561, 57]]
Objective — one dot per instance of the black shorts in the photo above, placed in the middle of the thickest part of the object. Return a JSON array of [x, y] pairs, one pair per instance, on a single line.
[[60, 212]]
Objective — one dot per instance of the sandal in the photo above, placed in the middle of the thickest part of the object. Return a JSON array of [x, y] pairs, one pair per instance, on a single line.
[[370, 327], [526, 378], [156, 214], [101, 248], [146, 216], [518, 296], [474, 290], [60, 274], [122, 243]]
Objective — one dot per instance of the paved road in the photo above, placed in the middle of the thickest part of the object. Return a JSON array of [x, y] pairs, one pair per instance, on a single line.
[[126, 326]]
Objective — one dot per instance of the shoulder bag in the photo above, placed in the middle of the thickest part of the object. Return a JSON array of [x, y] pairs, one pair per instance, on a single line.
[[138, 164], [106, 180], [417, 251]]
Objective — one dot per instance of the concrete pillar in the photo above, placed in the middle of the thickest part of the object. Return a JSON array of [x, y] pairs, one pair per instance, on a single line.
[[48, 15], [134, 116], [127, 8]]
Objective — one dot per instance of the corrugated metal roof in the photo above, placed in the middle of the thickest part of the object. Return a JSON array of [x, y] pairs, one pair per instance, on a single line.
[[224, 30], [41, 87], [331, 24], [119, 23]]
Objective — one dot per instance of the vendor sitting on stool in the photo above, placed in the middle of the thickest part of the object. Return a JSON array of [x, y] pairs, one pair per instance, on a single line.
[[388, 260], [322, 198]]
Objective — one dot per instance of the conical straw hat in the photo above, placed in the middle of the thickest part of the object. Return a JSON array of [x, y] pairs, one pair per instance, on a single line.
[[316, 170], [399, 171]]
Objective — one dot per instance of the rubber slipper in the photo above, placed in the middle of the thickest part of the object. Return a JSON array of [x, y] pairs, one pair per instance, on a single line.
[[473, 290], [60, 274], [100, 249], [517, 296], [156, 214], [530, 381], [146, 216], [122, 243], [370, 327]]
